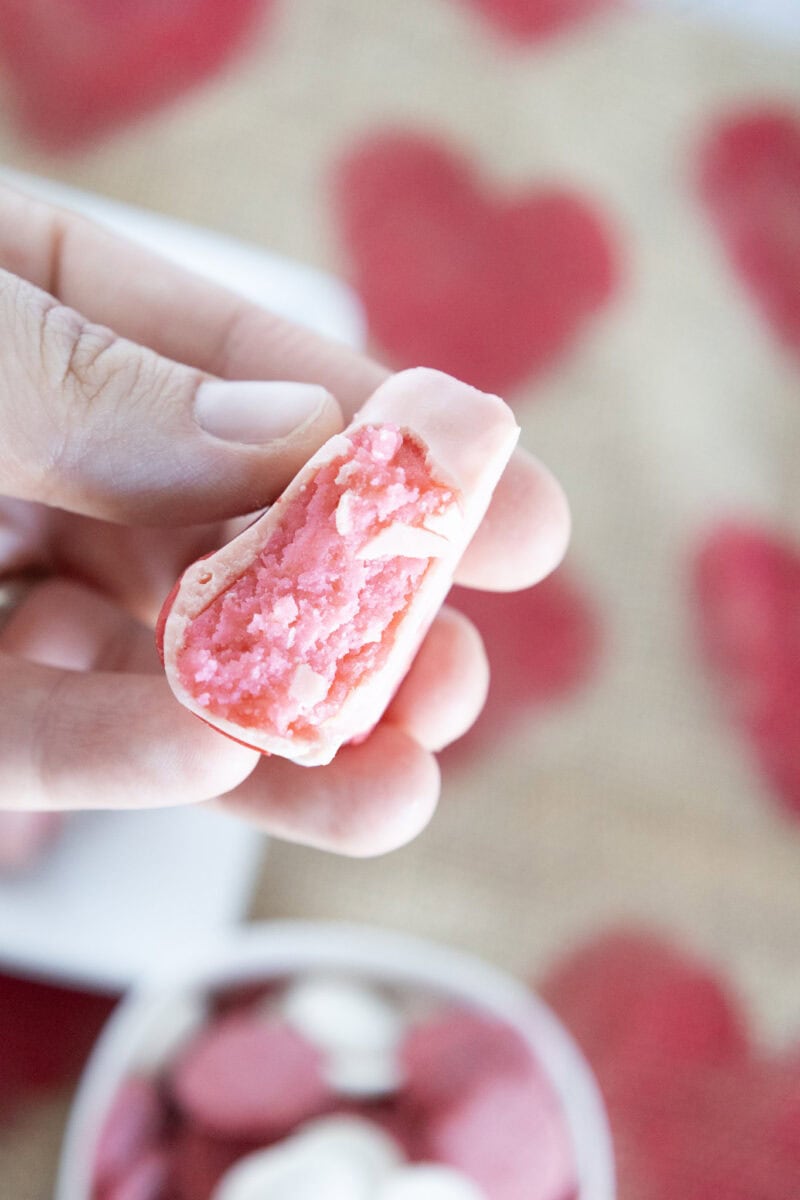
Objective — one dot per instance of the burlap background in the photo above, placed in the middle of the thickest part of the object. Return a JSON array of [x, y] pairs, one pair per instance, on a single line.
[[634, 798]]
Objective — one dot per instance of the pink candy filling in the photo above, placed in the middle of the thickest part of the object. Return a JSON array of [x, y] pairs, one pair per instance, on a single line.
[[283, 647]]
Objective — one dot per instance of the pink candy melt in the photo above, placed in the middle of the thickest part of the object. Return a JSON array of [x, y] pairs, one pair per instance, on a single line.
[[310, 601]]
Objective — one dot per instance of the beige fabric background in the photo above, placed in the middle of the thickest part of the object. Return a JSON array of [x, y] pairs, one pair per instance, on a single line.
[[632, 800]]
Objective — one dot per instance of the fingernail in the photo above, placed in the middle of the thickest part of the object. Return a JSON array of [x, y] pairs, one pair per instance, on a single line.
[[253, 412]]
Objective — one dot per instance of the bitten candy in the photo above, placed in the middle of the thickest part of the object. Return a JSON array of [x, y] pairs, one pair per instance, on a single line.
[[249, 1075], [294, 637]]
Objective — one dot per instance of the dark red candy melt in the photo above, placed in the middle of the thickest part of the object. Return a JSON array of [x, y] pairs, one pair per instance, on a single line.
[[131, 1129], [489, 288], [200, 1161], [249, 1075], [750, 182], [747, 588]]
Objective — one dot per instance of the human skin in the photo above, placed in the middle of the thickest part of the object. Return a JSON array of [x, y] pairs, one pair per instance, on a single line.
[[124, 459]]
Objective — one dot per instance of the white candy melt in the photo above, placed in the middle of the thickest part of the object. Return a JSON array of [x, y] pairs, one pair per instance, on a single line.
[[282, 1173], [360, 1141], [354, 1073], [429, 1181], [358, 1031], [333, 1158], [171, 1024], [340, 1015]]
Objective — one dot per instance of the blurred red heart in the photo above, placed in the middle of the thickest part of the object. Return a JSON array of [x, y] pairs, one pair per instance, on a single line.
[[47, 1032], [530, 20], [750, 182], [747, 584], [80, 67], [696, 1112], [488, 288], [542, 643]]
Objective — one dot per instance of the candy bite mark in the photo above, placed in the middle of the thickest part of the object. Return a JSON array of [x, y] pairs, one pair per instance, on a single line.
[[283, 647]]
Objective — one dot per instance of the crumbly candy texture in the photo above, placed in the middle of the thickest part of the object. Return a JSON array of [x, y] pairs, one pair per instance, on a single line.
[[316, 613]]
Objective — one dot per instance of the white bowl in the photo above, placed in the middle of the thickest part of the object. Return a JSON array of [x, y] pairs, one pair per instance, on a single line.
[[277, 949]]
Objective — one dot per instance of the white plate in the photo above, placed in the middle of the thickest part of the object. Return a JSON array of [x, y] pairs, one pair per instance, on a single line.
[[121, 891]]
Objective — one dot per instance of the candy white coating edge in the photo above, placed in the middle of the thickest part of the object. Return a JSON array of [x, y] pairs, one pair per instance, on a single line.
[[447, 423]]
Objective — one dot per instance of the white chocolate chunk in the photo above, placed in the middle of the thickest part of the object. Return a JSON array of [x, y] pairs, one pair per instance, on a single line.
[[444, 523], [346, 472], [429, 1181], [344, 512], [341, 1015], [308, 688], [404, 541]]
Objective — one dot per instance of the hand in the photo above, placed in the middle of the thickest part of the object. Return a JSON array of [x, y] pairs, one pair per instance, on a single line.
[[124, 454]]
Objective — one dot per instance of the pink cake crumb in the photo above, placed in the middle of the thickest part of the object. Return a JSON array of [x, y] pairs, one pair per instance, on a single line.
[[316, 613]]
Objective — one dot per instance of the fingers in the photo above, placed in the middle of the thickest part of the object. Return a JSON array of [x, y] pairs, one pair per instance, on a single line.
[[446, 687], [77, 738], [102, 426], [175, 313], [187, 319], [371, 799], [525, 532], [24, 836], [62, 624]]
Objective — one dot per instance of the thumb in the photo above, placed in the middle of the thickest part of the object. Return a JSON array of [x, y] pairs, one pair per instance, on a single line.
[[96, 424]]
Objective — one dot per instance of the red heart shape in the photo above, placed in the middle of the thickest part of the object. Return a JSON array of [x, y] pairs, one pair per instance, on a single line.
[[747, 585], [532, 20], [696, 1112], [486, 288], [80, 67], [542, 643], [750, 182]]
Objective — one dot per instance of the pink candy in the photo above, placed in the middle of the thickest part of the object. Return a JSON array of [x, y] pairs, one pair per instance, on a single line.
[[131, 1129], [256, 1084], [248, 1075], [509, 1137], [147, 1179]]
